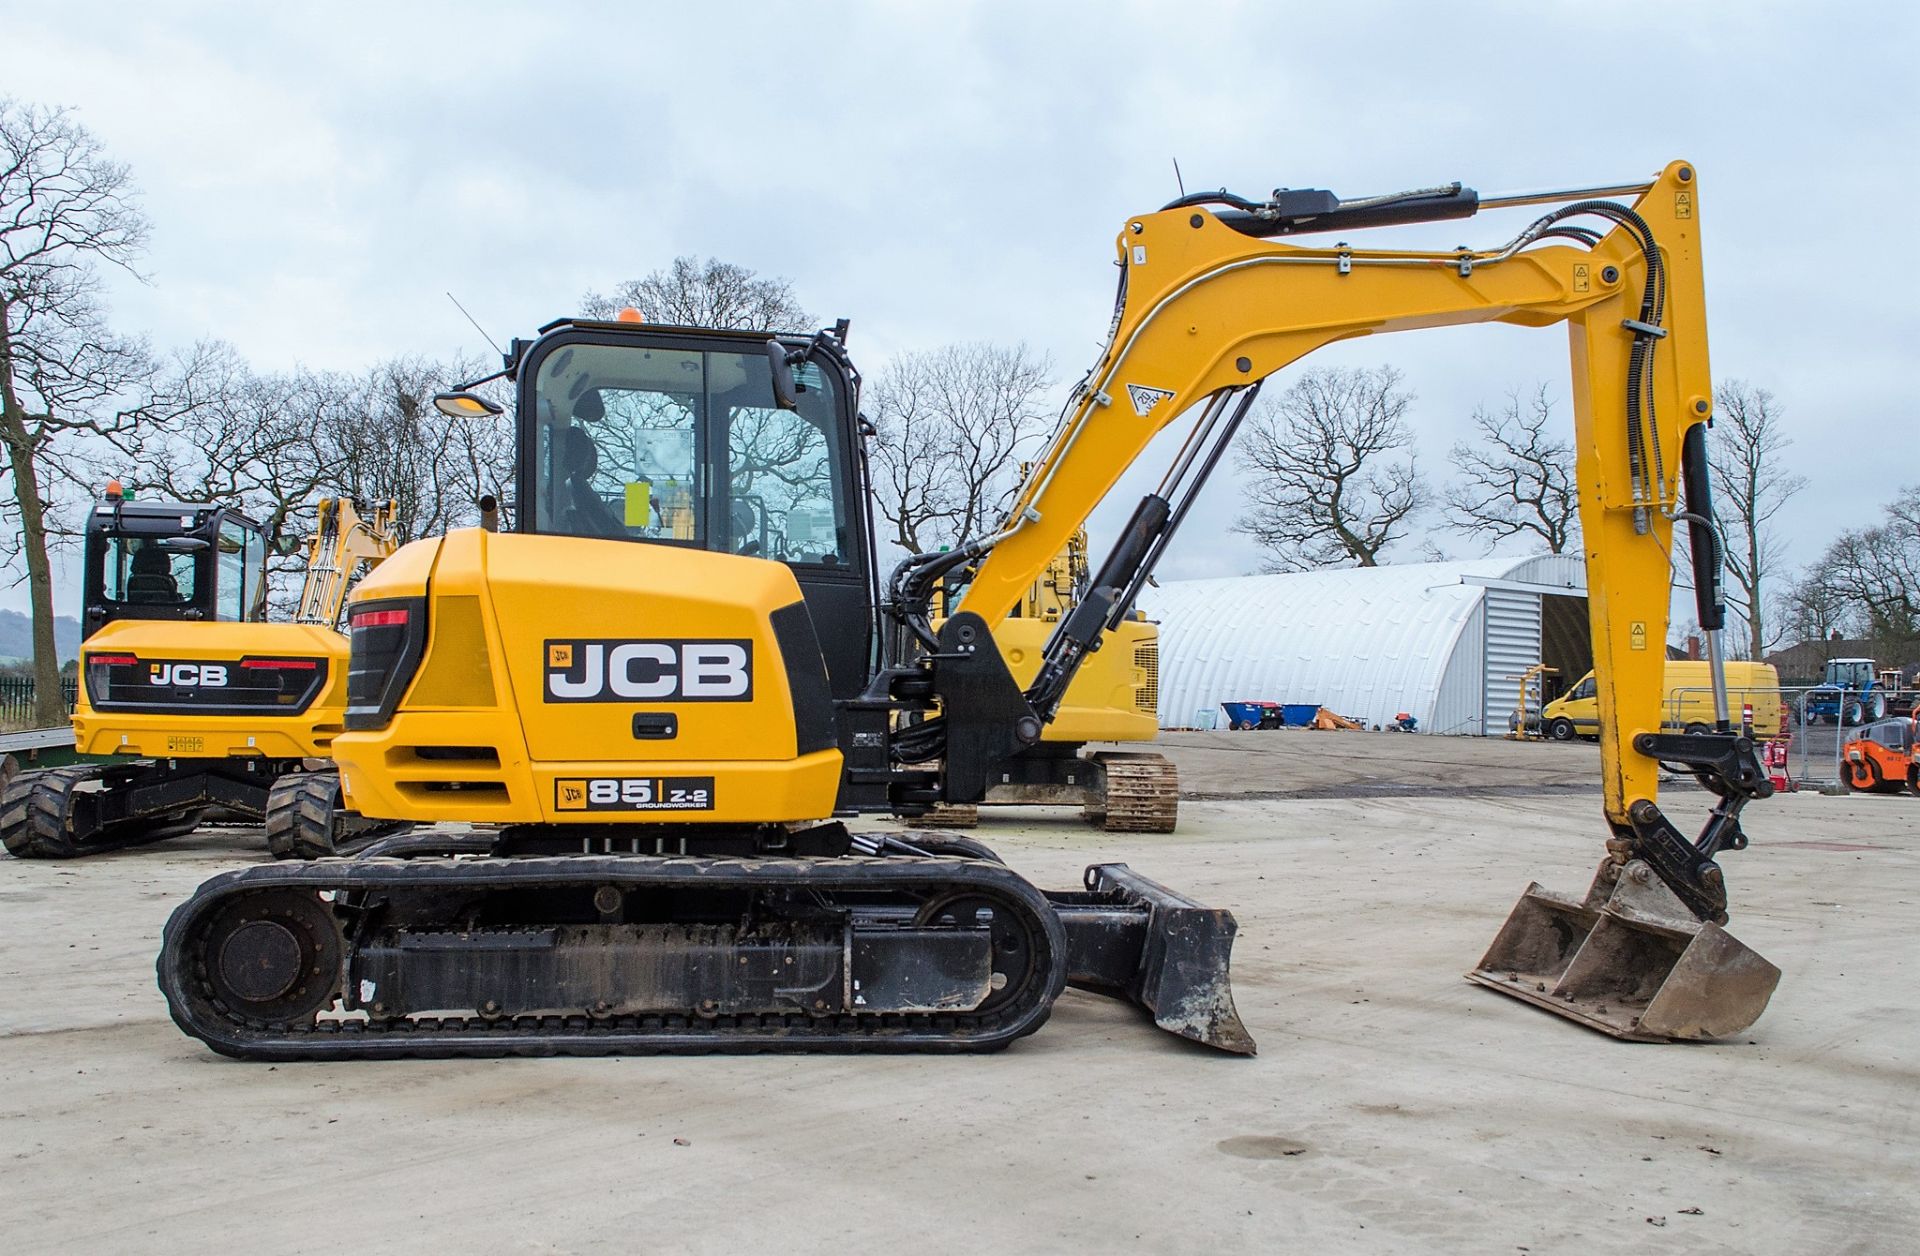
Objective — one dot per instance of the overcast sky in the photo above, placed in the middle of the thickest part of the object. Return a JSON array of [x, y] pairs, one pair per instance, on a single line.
[[318, 176]]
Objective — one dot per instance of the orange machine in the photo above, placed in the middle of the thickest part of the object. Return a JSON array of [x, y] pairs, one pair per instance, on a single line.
[[1881, 759]]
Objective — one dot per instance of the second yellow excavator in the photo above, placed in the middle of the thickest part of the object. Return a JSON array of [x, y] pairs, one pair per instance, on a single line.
[[189, 697], [665, 686], [1114, 697]]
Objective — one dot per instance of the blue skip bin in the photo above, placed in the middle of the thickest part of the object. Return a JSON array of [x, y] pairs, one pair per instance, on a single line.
[[1299, 714], [1254, 714]]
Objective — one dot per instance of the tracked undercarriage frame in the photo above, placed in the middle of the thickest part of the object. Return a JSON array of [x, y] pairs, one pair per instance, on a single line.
[[67, 813], [419, 949]]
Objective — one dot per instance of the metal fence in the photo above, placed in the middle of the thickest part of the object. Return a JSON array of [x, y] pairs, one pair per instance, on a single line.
[[16, 698], [1814, 733]]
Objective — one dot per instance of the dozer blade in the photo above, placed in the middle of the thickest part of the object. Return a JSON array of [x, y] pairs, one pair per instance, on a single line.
[[1628, 960], [1132, 938]]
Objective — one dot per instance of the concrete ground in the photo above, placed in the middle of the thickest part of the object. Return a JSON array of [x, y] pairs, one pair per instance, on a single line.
[[1306, 763], [1393, 1107]]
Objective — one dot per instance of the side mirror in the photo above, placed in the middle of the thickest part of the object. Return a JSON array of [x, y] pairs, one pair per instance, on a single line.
[[466, 405], [786, 394]]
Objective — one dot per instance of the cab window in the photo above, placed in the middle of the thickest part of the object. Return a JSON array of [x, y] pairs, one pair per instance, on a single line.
[[1585, 689], [783, 481], [141, 571], [686, 446], [237, 568]]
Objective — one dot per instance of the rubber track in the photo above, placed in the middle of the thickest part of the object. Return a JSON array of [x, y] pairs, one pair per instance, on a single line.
[[306, 821], [36, 819], [34, 812], [180, 968], [1142, 795], [951, 815]]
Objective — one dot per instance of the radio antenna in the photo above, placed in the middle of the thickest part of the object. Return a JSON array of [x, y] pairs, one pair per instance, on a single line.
[[476, 323], [1178, 181]]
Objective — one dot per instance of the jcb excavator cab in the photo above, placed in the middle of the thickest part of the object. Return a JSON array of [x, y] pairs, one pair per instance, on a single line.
[[673, 436], [683, 437], [171, 560]]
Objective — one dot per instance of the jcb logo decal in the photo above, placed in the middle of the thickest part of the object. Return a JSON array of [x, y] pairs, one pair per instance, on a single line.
[[201, 675], [622, 670]]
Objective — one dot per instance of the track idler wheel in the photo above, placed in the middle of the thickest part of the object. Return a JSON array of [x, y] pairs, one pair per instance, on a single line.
[[1013, 942], [271, 957]]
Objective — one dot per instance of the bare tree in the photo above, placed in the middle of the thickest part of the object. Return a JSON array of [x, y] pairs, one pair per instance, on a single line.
[[713, 293], [381, 437], [1811, 609], [1869, 578], [1517, 479], [64, 208], [245, 440], [1750, 486], [273, 445], [953, 426], [1329, 480]]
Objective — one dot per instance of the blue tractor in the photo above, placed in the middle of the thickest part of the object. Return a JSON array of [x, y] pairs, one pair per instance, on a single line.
[[1851, 693]]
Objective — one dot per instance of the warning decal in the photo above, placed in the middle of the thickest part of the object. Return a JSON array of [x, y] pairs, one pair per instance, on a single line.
[[1145, 399]]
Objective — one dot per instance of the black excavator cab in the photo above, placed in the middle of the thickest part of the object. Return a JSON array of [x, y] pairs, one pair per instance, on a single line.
[[171, 560]]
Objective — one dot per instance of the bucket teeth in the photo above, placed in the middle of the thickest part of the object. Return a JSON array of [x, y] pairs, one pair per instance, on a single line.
[[1629, 960]]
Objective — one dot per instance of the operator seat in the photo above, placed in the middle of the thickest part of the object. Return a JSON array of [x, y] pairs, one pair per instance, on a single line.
[[150, 578], [585, 512]]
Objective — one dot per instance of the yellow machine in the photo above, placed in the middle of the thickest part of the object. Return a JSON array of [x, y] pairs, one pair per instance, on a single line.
[[1115, 696], [1524, 724], [198, 701], [663, 719], [1686, 701]]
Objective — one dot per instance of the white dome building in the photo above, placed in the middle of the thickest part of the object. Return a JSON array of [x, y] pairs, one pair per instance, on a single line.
[[1447, 642]]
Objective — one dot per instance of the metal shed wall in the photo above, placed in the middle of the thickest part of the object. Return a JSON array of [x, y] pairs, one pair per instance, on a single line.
[[1363, 642], [1459, 706], [1512, 620]]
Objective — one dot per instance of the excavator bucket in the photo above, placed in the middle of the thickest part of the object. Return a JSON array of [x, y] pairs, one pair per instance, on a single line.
[[1628, 960]]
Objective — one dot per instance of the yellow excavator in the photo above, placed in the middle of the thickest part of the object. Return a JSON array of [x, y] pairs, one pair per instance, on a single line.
[[191, 700], [1114, 697], [658, 711]]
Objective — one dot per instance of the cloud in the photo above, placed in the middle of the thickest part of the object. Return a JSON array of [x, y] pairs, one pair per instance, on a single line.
[[958, 172]]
